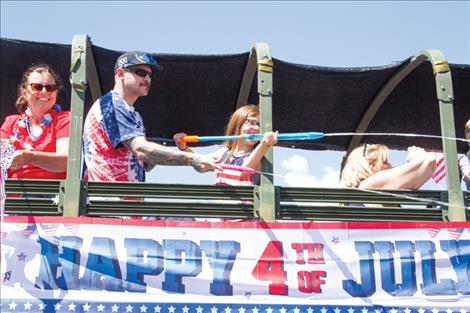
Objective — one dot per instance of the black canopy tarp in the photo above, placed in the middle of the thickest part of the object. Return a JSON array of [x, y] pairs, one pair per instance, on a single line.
[[197, 93]]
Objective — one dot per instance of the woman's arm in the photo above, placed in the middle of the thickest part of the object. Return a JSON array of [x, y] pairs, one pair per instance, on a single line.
[[55, 162], [412, 175]]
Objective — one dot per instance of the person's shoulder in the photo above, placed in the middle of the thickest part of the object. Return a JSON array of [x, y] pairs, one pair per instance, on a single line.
[[11, 119], [63, 114]]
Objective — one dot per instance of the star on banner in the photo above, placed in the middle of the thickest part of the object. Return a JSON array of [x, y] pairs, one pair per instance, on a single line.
[[335, 240], [21, 257], [6, 276], [27, 306]]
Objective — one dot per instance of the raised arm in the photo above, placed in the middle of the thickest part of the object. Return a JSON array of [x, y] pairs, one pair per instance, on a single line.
[[411, 175], [152, 154], [253, 161], [50, 161]]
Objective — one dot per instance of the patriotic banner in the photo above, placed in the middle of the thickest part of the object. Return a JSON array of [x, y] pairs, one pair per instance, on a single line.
[[60, 264]]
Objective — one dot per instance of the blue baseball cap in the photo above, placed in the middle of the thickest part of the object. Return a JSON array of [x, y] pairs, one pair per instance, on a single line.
[[132, 58]]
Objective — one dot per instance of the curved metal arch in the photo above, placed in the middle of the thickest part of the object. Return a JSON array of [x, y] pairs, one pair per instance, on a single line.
[[379, 99], [444, 92]]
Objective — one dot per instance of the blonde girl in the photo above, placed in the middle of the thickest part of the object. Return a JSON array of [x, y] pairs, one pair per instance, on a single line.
[[368, 167]]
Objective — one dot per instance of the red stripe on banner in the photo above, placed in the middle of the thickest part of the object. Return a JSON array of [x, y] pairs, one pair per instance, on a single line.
[[248, 224]]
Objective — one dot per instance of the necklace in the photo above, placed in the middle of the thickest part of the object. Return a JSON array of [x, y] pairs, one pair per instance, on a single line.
[[32, 135]]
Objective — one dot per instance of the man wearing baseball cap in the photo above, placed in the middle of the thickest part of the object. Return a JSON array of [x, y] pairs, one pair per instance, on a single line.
[[115, 146]]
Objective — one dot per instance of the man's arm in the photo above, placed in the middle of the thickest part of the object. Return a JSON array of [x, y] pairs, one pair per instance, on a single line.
[[152, 154]]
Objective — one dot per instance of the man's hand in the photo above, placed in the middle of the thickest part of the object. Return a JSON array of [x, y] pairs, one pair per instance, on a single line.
[[203, 164]]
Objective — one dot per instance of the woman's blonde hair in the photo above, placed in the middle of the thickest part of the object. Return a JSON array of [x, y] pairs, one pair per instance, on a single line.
[[235, 123], [467, 127], [364, 161]]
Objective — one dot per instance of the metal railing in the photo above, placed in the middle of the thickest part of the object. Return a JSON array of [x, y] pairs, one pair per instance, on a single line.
[[193, 201]]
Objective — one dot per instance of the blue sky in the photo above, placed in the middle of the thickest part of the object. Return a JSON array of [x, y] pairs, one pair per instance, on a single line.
[[338, 34]]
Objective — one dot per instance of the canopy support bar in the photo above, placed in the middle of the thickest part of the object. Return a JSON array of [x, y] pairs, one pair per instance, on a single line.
[[73, 190], [247, 80], [444, 92], [445, 97], [265, 194], [379, 99]]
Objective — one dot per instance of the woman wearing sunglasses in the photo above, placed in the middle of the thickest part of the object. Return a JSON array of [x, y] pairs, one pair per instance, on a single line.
[[367, 167], [40, 133]]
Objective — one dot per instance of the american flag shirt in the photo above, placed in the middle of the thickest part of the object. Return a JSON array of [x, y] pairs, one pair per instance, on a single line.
[[464, 165], [110, 121]]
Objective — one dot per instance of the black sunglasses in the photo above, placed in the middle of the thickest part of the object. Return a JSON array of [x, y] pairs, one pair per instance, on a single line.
[[40, 87], [139, 72]]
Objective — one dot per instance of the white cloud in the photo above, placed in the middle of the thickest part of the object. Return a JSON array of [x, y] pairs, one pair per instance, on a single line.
[[298, 174]]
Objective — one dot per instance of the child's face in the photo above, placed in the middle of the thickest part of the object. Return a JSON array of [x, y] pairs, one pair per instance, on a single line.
[[250, 126]]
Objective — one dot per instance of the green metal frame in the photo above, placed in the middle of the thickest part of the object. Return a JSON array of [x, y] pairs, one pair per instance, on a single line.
[[260, 61], [337, 204], [83, 73], [267, 201], [444, 93]]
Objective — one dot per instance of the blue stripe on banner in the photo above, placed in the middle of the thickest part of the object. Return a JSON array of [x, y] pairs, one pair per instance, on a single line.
[[55, 306]]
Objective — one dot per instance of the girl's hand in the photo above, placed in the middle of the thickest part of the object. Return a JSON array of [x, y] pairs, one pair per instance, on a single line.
[[179, 142], [270, 138]]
